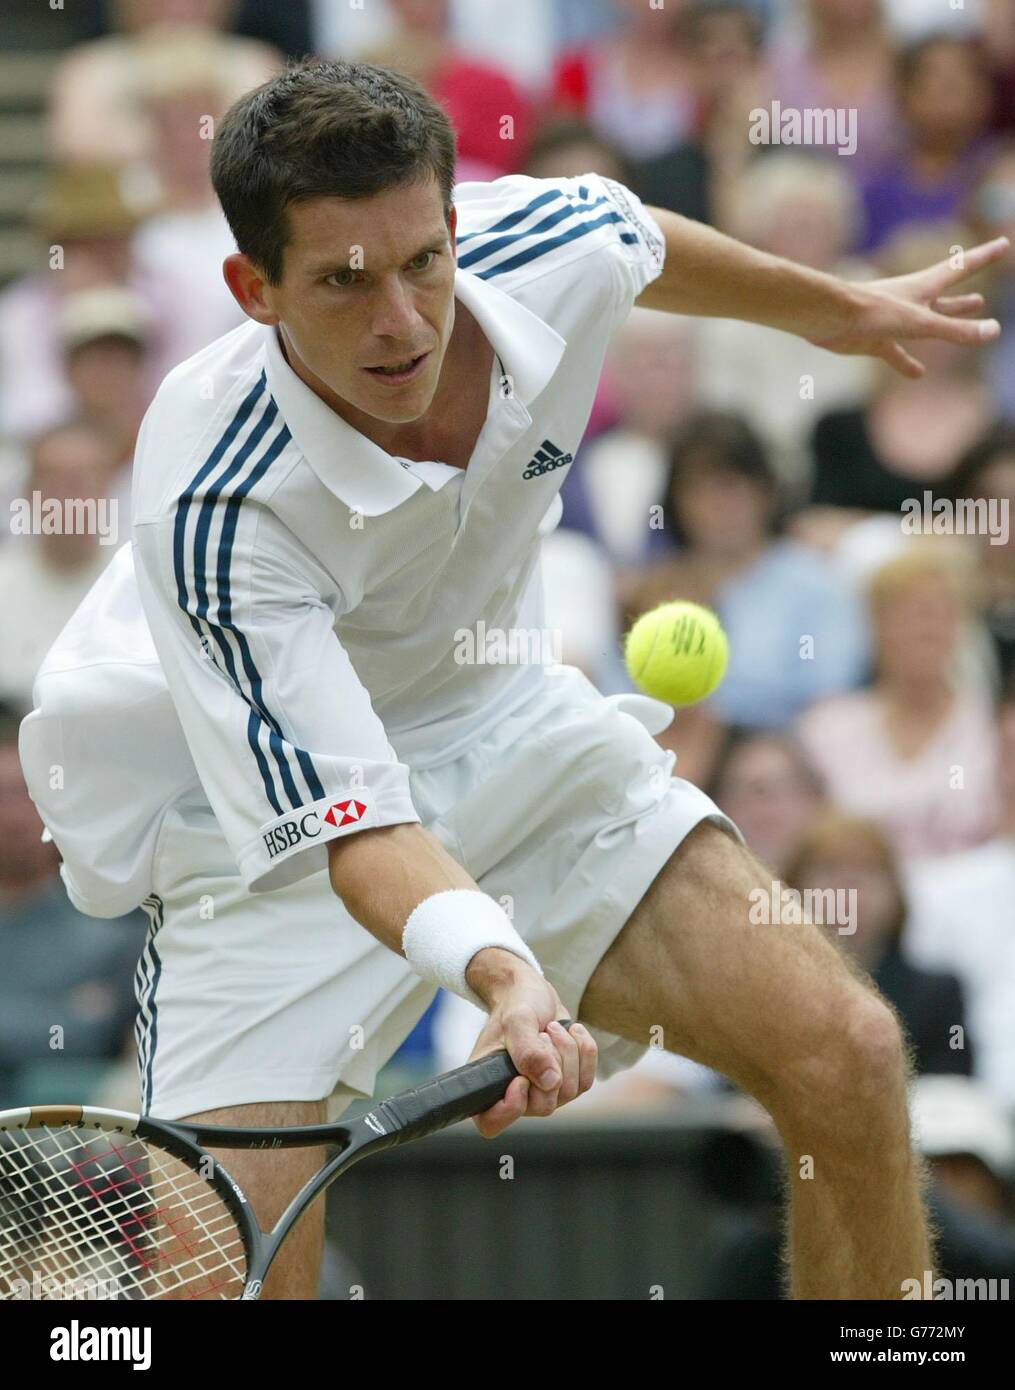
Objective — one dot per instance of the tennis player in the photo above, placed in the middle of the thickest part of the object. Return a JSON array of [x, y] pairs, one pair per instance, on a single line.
[[292, 745]]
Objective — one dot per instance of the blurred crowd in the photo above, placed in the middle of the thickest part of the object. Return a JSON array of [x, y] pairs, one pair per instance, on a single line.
[[851, 527]]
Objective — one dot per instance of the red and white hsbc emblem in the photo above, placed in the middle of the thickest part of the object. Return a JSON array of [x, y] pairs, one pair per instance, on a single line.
[[344, 812], [282, 837]]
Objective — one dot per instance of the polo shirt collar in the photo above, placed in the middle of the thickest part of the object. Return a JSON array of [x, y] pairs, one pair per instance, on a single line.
[[359, 472]]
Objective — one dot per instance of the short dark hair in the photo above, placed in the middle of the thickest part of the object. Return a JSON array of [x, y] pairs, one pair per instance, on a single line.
[[718, 441], [344, 130]]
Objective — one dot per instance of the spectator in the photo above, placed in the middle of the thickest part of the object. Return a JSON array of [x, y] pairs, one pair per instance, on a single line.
[[97, 111], [634, 86], [848, 864], [67, 530], [917, 749], [842, 61], [769, 788], [945, 97], [186, 237], [962, 922], [986, 476], [491, 115], [66, 986], [906, 438], [795, 632], [563, 147], [85, 219], [692, 177], [649, 388], [792, 205], [106, 334]]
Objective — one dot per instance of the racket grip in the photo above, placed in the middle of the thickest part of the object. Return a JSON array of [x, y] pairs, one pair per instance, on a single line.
[[454, 1096]]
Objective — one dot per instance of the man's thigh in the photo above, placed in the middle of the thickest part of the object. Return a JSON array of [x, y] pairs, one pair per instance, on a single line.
[[742, 996]]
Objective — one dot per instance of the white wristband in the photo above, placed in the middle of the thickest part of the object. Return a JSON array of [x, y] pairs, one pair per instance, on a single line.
[[446, 930]]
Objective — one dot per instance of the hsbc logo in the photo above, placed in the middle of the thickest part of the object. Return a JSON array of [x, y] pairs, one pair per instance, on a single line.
[[287, 834]]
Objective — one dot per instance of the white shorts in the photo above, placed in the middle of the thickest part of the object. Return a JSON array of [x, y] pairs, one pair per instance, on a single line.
[[564, 813]]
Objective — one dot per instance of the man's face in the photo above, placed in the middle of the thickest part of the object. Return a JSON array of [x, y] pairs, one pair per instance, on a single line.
[[368, 283]]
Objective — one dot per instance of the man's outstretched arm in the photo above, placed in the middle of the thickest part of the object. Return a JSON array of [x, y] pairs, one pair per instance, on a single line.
[[713, 275]]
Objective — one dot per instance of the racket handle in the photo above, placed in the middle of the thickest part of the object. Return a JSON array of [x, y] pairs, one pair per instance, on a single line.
[[454, 1096]]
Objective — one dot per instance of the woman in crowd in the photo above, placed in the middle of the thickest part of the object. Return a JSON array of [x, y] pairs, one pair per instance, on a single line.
[[907, 436], [636, 85], [945, 98], [767, 784], [846, 873], [917, 749]]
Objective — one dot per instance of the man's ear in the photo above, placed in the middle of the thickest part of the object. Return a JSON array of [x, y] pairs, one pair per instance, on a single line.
[[249, 288], [452, 229]]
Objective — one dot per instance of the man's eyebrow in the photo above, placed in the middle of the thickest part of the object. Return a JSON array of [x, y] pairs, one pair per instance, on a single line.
[[330, 266]]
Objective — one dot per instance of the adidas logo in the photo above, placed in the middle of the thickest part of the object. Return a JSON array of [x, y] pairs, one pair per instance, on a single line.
[[548, 457]]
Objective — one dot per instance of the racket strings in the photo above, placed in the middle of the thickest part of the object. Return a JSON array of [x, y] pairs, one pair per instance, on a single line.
[[91, 1210]]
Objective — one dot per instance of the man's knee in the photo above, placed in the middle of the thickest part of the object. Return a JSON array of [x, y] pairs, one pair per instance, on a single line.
[[852, 1069], [772, 1004], [871, 1050]]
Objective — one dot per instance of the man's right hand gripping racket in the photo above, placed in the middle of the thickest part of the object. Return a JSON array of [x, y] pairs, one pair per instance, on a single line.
[[103, 1204]]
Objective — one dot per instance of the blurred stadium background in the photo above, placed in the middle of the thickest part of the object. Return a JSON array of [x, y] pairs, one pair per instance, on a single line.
[[723, 463]]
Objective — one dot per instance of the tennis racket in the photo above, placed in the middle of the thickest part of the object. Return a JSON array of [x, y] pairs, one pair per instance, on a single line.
[[103, 1204]]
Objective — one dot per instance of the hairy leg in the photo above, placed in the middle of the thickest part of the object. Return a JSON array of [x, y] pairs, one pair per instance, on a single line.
[[270, 1178], [781, 1010]]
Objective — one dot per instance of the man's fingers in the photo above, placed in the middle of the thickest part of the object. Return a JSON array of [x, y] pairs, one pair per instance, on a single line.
[[958, 304], [512, 1106], [533, 1053], [985, 254], [896, 356], [926, 323], [567, 1047], [945, 273], [588, 1056]]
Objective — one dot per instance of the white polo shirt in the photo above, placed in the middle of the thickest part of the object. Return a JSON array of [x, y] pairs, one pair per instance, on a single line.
[[302, 617]]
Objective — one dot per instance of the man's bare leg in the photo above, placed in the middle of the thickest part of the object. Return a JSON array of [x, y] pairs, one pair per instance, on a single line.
[[270, 1178], [779, 1010]]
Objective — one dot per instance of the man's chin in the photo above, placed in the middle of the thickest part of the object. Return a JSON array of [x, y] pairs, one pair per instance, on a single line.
[[398, 406]]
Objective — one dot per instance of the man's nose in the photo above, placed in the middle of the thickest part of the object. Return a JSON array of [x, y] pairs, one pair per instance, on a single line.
[[395, 314]]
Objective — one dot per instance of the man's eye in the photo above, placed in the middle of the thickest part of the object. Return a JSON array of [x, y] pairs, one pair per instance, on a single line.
[[423, 261], [342, 278]]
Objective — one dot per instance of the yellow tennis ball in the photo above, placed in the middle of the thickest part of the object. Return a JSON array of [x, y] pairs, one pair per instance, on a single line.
[[677, 652]]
